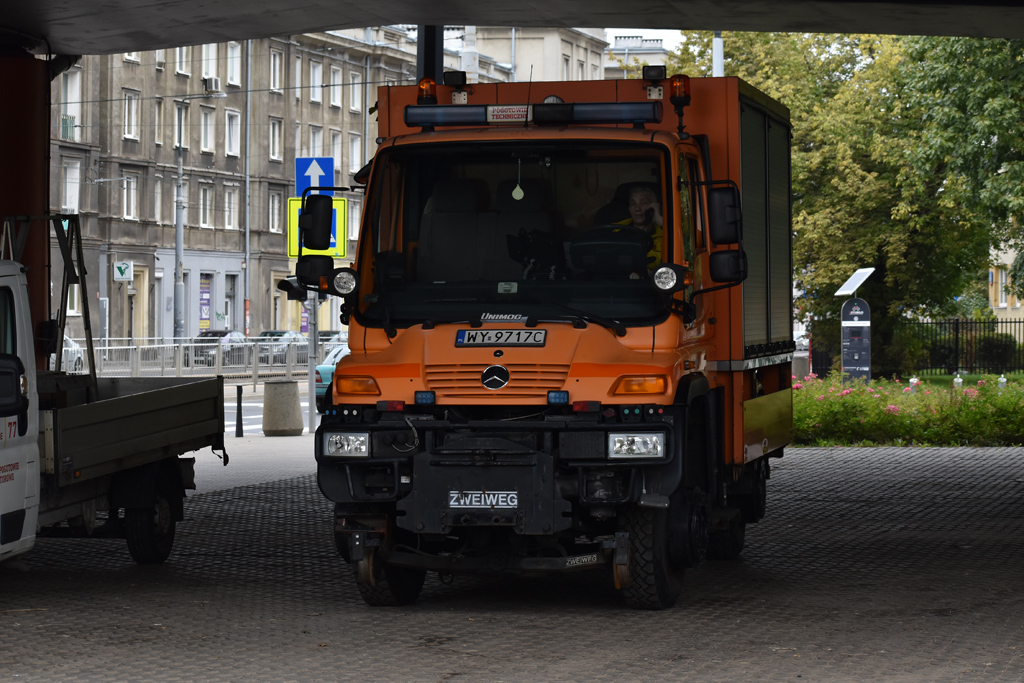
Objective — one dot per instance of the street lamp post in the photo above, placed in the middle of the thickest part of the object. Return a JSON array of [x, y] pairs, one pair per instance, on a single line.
[[179, 223]]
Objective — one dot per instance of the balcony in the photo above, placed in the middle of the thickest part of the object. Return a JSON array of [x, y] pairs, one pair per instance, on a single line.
[[68, 128]]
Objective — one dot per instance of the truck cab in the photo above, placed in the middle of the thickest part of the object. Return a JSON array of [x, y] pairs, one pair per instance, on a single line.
[[546, 322]]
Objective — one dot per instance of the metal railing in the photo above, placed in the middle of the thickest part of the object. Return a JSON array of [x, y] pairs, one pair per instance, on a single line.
[[969, 346], [244, 361], [67, 127]]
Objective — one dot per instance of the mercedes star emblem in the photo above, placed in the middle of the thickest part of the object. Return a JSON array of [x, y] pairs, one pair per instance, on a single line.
[[495, 377]]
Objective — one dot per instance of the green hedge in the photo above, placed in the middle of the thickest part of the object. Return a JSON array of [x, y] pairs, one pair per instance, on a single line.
[[828, 413]]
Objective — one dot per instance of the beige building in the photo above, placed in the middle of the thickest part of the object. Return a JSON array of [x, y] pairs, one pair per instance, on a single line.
[[626, 53], [1005, 305]]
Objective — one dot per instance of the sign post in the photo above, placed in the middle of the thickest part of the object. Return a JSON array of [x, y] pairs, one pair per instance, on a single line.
[[856, 322]]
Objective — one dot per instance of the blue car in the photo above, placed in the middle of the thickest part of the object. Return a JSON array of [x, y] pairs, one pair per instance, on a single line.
[[325, 374]]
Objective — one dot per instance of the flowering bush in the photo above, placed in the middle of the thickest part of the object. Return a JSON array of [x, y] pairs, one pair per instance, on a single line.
[[827, 412]]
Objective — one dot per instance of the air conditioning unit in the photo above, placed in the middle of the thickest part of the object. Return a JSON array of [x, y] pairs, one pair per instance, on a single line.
[[211, 84]]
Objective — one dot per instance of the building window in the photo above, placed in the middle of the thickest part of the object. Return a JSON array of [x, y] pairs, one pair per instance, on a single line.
[[579, 70], [131, 115], [209, 60], [593, 72], [131, 195], [71, 105], [316, 82], [131, 57], [275, 211], [158, 200], [336, 155], [276, 64], [316, 141], [335, 86], [565, 67], [234, 63], [232, 132], [205, 206], [1002, 286], [75, 300], [355, 94], [182, 57], [355, 152], [206, 140], [355, 213], [71, 172], [275, 139], [230, 208], [180, 125], [160, 57], [158, 122], [297, 85]]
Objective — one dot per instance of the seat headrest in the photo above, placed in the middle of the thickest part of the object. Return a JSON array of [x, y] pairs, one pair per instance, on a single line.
[[534, 196], [455, 194]]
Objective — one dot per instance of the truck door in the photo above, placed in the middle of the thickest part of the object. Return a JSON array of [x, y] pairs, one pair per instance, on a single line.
[[19, 409]]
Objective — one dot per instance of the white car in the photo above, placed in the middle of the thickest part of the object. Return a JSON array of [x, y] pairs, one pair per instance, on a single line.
[[72, 357]]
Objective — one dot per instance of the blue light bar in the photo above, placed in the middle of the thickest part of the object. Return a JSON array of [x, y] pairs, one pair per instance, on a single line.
[[558, 398], [597, 112], [426, 116], [425, 398]]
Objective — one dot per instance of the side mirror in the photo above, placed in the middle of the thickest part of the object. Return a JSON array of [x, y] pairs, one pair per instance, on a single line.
[[315, 221], [724, 213], [728, 266], [13, 398]]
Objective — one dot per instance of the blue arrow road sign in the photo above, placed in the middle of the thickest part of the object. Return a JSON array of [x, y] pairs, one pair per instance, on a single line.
[[313, 172]]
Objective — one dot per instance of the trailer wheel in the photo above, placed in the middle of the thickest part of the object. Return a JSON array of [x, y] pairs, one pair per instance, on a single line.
[[150, 531], [381, 585], [727, 544], [654, 583]]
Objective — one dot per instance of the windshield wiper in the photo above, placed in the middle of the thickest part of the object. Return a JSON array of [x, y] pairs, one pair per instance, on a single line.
[[583, 316]]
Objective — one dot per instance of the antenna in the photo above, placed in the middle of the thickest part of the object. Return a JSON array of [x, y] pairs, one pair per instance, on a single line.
[[529, 89]]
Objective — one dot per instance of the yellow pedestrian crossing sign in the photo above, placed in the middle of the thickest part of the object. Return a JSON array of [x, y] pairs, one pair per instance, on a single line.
[[339, 226]]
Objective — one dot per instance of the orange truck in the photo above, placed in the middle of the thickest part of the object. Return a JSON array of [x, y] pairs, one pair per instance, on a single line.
[[570, 329]]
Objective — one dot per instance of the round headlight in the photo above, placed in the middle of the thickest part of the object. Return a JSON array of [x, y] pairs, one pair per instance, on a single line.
[[345, 282], [665, 278]]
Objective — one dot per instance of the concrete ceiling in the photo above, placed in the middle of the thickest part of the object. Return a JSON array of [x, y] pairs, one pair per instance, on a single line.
[[76, 27]]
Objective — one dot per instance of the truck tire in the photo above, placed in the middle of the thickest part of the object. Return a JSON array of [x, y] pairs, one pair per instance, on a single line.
[[727, 544], [389, 586], [150, 531], [653, 581]]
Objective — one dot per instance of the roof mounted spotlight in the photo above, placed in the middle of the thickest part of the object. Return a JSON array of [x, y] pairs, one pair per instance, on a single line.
[[456, 79], [654, 72]]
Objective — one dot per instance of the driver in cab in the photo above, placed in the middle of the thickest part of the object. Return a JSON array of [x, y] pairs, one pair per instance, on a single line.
[[645, 214]]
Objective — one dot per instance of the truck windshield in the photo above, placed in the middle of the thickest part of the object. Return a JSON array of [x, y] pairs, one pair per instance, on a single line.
[[544, 230]]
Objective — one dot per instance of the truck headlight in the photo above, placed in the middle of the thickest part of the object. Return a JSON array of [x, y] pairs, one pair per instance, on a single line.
[[646, 445], [347, 445]]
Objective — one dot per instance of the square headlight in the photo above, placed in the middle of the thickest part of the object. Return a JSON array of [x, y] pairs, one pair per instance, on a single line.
[[643, 445], [347, 445]]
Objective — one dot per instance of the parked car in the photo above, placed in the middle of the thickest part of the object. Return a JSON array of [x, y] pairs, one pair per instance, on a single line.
[[803, 342], [72, 358], [235, 347], [272, 346], [325, 374]]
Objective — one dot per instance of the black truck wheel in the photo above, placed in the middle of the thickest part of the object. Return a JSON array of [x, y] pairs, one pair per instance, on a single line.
[[654, 583], [727, 544], [150, 531], [381, 585]]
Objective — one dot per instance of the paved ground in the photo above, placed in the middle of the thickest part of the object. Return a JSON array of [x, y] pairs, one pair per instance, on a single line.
[[873, 564]]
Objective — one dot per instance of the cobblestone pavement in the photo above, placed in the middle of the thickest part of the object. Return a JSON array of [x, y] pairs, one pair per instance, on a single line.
[[873, 564]]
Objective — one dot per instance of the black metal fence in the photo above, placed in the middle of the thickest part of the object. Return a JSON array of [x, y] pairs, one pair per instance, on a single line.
[[974, 346]]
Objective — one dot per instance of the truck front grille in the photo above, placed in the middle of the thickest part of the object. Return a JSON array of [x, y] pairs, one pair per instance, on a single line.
[[525, 380]]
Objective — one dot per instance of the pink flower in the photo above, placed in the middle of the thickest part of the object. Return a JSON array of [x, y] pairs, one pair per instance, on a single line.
[[794, 376], [970, 393], [892, 410], [871, 390], [878, 396], [813, 376], [821, 398], [906, 390], [981, 382], [846, 391], [798, 386], [928, 392]]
